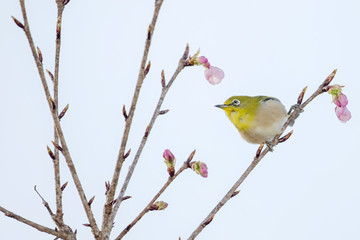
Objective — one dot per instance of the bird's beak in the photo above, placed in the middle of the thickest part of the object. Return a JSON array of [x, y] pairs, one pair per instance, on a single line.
[[222, 106]]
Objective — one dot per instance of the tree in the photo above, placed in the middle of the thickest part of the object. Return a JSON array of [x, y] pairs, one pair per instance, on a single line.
[[185, 60]]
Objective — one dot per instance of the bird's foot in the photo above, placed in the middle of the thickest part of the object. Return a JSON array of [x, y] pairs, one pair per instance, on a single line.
[[269, 145], [293, 108]]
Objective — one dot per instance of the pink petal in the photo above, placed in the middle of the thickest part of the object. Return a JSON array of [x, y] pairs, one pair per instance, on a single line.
[[336, 101], [343, 100], [340, 100], [214, 75], [343, 114], [168, 155], [204, 61], [203, 170]]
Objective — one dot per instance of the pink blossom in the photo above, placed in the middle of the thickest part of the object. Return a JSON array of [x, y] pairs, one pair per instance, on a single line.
[[343, 114], [199, 168], [214, 75], [341, 102]]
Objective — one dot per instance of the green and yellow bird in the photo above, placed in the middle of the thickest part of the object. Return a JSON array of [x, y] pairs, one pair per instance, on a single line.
[[258, 119]]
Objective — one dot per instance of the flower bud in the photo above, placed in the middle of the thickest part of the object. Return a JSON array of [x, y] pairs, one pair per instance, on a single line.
[[169, 161], [199, 168], [159, 205], [204, 61]]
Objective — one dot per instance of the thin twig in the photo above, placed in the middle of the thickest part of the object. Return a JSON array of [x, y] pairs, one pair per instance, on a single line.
[[147, 208], [257, 158], [32, 224], [107, 224], [46, 205], [164, 91], [44, 202], [60, 133], [58, 192], [63, 228]]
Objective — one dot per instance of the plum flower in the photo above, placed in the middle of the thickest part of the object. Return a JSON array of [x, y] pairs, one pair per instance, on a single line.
[[341, 101], [343, 114], [213, 75], [169, 161], [199, 168]]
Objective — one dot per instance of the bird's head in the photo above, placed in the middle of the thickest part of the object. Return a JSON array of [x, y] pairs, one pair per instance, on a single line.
[[241, 110], [239, 104]]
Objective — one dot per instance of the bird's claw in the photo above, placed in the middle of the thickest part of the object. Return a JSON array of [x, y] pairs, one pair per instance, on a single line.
[[270, 146], [293, 108]]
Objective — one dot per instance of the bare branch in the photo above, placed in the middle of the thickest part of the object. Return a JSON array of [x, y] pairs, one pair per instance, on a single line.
[[107, 223], [32, 224], [148, 207], [164, 91], [59, 131], [58, 188], [45, 203], [260, 156]]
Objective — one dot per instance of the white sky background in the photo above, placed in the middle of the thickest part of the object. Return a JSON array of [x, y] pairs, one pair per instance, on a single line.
[[307, 189]]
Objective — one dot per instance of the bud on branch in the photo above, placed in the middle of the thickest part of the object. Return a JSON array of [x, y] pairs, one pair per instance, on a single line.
[[18, 23]]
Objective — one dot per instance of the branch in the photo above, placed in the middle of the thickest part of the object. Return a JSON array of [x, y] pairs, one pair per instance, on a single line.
[[52, 215], [58, 191], [59, 131], [147, 208], [32, 224], [258, 157], [107, 224], [157, 112]]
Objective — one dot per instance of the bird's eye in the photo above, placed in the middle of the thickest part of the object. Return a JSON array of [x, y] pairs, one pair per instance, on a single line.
[[236, 102]]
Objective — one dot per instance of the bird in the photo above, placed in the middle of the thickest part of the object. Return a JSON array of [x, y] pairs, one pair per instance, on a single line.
[[258, 119]]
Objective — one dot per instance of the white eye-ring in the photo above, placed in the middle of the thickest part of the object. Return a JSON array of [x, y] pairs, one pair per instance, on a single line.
[[236, 102]]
